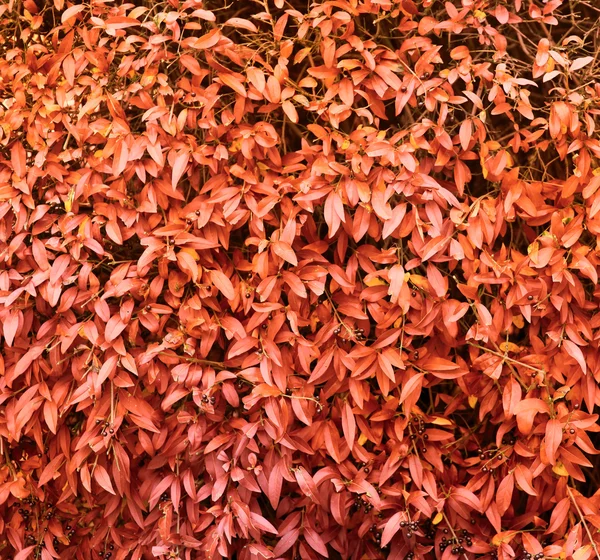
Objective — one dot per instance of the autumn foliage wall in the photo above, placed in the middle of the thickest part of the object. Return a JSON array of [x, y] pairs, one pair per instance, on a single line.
[[292, 280]]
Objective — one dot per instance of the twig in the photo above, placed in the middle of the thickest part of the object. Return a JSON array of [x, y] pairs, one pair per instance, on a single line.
[[587, 530], [523, 364]]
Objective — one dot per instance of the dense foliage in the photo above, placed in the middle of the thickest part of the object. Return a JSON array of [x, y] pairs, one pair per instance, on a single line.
[[292, 280]]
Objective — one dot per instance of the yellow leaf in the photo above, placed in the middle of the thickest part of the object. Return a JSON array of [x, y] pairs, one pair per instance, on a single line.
[[509, 347], [362, 439], [398, 323], [440, 421], [375, 281], [533, 248], [82, 226], [438, 518], [419, 281], [479, 15], [504, 537], [583, 553], [314, 321], [472, 401], [345, 144], [70, 199], [191, 252], [559, 469], [518, 321], [596, 171]]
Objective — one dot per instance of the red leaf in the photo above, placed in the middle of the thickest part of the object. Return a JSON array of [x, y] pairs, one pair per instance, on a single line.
[[180, 163], [71, 12], [103, 478], [284, 251], [523, 477], [232, 82], [553, 439], [286, 542], [391, 527], [504, 493], [223, 284], [559, 514], [209, 40], [50, 470], [315, 541], [24, 554], [121, 157], [18, 158], [575, 352], [348, 424]]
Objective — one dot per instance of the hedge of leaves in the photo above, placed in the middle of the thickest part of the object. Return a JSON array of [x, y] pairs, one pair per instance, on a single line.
[[292, 280]]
